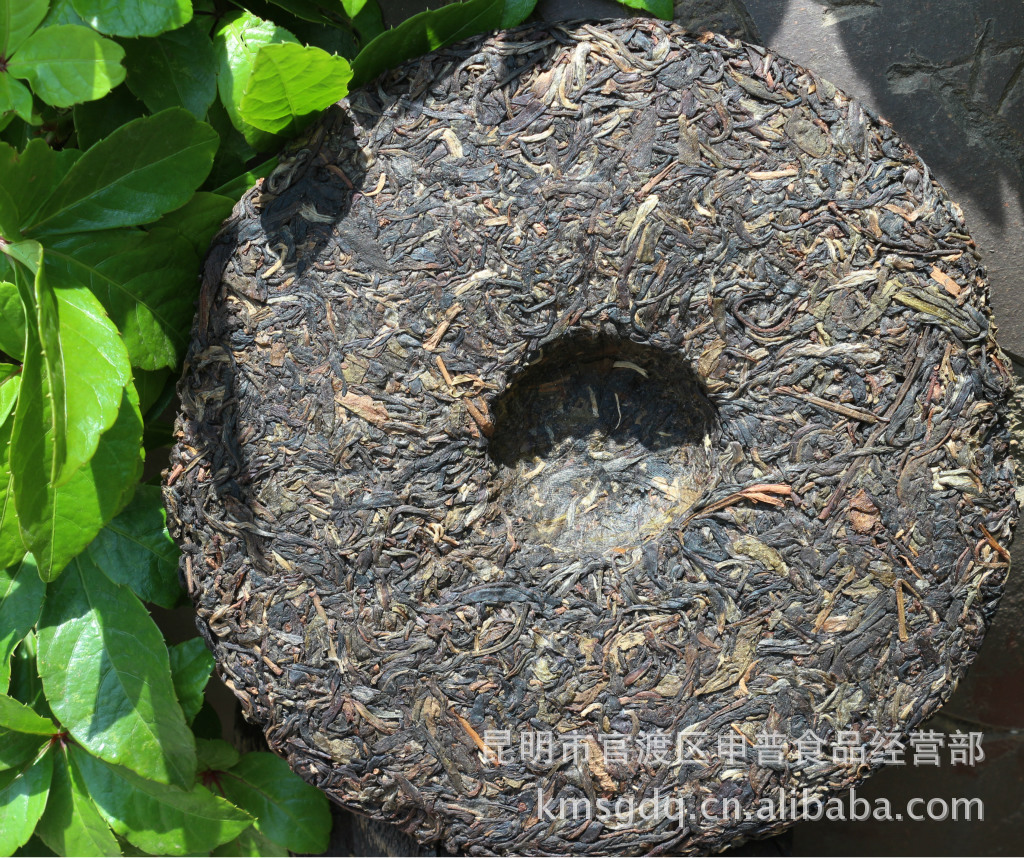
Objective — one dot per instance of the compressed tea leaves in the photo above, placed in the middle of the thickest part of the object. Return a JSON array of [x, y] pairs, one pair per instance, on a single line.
[[573, 409]]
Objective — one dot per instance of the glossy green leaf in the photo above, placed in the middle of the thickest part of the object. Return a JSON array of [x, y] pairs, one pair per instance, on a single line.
[[191, 666], [177, 69], [287, 809], [289, 83], [134, 17], [353, 7], [21, 600], [142, 170], [107, 676], [12, 547], [430, 30], [238, 43], [19, 718], [198, 221], [216, 755], [250, 843], [146, 281], [38, 439], [66, 64], [18, 20], [72, 515], [661, 8], [96, 369], [14, 95], [159, 819], [23, 795], [136, 550], [12, 322], [30, 176], [71, 824], [10, 384]]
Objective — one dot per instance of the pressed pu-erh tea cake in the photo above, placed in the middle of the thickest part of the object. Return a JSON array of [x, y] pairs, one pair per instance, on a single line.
[[587, 415]]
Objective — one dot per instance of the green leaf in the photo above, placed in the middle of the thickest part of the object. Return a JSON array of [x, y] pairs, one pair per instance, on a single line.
[[661, 8], [23, 797], [25, 683], [66, 64], [21, 600], [191, 666], [154, 387], [430, 30], [287, 809], [146, 168], [71, 515], [96, 369], [14, 95], [10, 384], [38, 441], [134, 17], [12, 322], [216, 755], [289, 83], [136, 550], [96, 120], [177, 69], [146, 281], [19, 718], [353, 7], [18, 749], [107, 676], [198, 221], [18, 20], [238, 43], [71, 824], [32, 175], [159, 819], [250, 843]]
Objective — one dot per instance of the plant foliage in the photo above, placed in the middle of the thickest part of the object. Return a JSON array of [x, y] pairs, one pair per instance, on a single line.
[[128, 129]]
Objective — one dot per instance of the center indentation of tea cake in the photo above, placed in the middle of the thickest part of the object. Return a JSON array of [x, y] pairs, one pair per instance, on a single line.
[[601, 443]]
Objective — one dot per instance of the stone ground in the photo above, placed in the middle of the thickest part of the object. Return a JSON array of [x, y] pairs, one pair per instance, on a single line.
[[949, 75]]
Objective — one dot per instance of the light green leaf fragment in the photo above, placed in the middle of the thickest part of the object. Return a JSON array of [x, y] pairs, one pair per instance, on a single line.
[[10, 384], [19, 718], [159, 819], [287, 809], [353, 7], [21, 600], [23, 795], [70, 516], [12, 322], [96, 370], [67, 64], [18, 20], [176, 69], [146, 168], [661, 8], [290, 82], [12, 548], [191, 666], [238, 43], [71, 824], [433, 29], [90, 621], [146, 281], [134, 17], [14, 95], [136, 550]]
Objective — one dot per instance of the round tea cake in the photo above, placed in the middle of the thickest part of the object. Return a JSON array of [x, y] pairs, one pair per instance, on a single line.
[[589, 436]]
